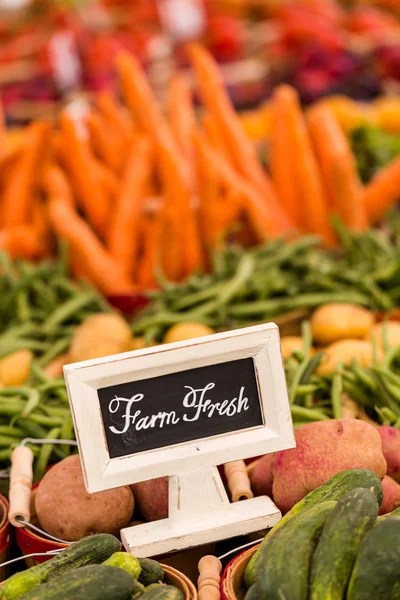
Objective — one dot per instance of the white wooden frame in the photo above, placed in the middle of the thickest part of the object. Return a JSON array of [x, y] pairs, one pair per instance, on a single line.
[[83, 379]]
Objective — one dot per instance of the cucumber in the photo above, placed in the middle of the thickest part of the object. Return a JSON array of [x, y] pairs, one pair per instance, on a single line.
[[345, 528], [163, 592], [151, 571], [95, 582], [90, 550], [333, 489], [138, 589], [125, 561], [376, 573], [284, 566], [252, 593]]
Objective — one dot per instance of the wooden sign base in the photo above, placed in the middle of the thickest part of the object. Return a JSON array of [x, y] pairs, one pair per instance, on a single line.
[[199, 513]]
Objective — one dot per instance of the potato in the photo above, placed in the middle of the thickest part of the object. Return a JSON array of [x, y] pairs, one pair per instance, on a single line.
[[391, 495], [390, 437], [346, 351], [337, 321], [66, 510], [152, 498], [392, 334], [16, 367], [260, 475], [324, 449], [292, 343], [102, 334], [186, 331]]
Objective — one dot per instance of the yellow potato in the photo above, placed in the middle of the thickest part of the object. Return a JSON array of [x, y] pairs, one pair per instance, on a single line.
[[100, 335], [392, 334], [346, 351], [138, 343], [292, 343], [338, 321], [186, 331], [15, 368]]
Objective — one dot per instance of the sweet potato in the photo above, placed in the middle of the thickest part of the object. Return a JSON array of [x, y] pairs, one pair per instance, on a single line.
[[152, 498], [66, 510], [324, 449], [391, 495], [390, 437], [260, 474]]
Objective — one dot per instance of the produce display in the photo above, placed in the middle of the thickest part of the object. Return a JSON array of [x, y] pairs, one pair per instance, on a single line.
[[159, 213]]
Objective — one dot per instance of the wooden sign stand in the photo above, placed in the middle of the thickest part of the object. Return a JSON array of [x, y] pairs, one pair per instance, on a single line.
[[229, 401], [199, 512]]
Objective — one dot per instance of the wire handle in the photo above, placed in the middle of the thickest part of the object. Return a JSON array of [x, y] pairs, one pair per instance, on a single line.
[[210, 568], [21, 477]]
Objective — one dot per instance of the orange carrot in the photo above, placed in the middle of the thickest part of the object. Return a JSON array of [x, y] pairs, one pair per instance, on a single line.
[[266, 225], [123, 235], [90, 194], [282, 164], [21, 241], [17, 194], [339, 168], [57, 185], [243, 153], [209, 186], [40, 222], [145, 274], [307, 173], [214, 135], [104, 142], [382, 193], [178, 199], [140, 98], [181, 114], [2, 132], [115, 114], [100, 267], [107, 179]]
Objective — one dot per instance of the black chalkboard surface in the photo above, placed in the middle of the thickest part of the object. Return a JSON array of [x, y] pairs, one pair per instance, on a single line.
[[180, 407]]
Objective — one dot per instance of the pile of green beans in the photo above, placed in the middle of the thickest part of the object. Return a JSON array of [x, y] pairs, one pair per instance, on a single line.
[[40, 307], [375, 389], [256, 285]]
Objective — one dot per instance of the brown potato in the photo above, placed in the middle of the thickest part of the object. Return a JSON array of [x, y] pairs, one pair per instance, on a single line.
[[152, 498], [346, 351], [66, 510], [337, 321], [323, 449], [16, 367]]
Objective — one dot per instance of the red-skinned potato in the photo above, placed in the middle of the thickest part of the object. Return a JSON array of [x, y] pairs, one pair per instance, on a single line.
[[260, 475], [323, 449], [152, 498], [67, 511], [390, 437], [391, 495]]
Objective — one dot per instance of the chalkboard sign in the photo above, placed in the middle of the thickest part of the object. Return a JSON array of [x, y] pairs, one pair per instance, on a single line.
[[177, 407], [184, 406]]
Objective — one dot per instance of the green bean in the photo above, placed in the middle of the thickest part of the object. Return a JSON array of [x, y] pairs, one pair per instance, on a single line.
[[23, 311], [8, 441], [307, 338], [336, 390], [5, 455], [44, 455], [54, 411], [304, 390], [22, 344], [68, 309], [244, 271], [363, 376], [163, 319], [303, 372], [11, 431], [44, 420], [30, 429], [33, 400], [55, 350], [11, 407], [67, 433], [308, 414], [38, 372], [197, 297]]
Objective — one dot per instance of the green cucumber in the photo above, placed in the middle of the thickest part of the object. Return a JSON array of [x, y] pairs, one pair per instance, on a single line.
[[345, 528], [90, 550], [95, 582], [333, 489], [125, 561], [252, 593], [284, 566], [163, 592], [376, 573], [138, 590], [151, 571]]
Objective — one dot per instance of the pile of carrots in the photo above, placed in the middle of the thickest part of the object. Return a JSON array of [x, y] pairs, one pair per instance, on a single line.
[[139, 191]]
